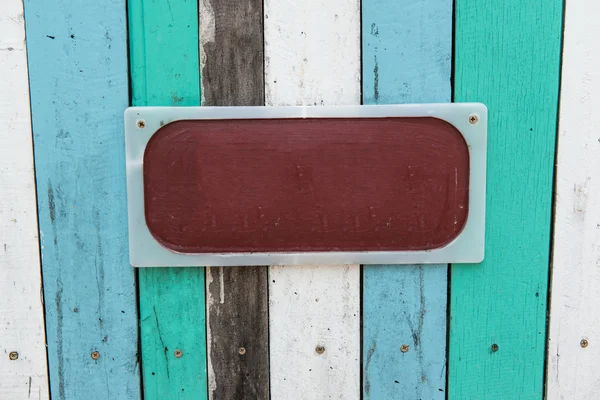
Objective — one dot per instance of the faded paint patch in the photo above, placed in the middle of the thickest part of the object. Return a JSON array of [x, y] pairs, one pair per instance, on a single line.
[[207, 36]]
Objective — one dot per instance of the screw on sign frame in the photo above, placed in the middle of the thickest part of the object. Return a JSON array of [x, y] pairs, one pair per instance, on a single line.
[[304, 185]]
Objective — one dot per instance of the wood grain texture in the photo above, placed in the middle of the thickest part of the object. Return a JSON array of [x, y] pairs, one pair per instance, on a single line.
[[507, 55], [238, 332], [572, 370], [312, 56], [231, 60], [407, 57], [231, 53], [22, 309], [165, 71], [78, 74]]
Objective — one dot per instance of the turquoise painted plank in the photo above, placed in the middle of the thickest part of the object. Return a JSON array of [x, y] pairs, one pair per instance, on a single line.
[[508, 57], [407, 51], [78, 71], [165, 71]]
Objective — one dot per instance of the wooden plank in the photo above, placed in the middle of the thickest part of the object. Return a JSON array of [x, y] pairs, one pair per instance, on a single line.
[[315, 325], [404, 305], [78, 74], [312, 57], [407, 57], [573, 349], [507, 55], [165, 71], [231, 56], [238, 332], [23, 370]]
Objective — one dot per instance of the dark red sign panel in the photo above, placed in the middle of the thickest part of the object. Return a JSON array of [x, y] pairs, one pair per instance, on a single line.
[[299, 185]]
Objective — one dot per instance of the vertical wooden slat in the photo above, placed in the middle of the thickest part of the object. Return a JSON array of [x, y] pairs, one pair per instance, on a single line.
[[78, 74], [573, 350], [407, 52], [507, 55], [165, 71], [231, 54], [238, 333], [23, 369], [312, 57]]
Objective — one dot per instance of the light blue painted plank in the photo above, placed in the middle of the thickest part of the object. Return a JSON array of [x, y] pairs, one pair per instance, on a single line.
[[407, 52], [404, 305], [79, 90]]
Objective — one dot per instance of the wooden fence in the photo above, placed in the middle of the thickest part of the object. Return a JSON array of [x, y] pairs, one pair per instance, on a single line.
[[78, 322]]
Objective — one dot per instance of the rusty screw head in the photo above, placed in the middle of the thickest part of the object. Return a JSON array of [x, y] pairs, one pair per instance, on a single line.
[[320, 349], [473, 119], [13, 355], [242, 351], [494, 347], [584, 343], [141, 123], [95, 355], [404, 348], [178, 353]]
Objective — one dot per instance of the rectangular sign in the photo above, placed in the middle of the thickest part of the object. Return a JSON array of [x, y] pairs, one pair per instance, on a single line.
[[304, 185]]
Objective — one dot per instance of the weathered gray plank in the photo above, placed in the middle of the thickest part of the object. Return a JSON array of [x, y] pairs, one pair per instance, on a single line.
[[238, 333], [231, 53]]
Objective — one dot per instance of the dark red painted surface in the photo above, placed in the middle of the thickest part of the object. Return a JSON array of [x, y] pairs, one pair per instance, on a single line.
[[296, 185]]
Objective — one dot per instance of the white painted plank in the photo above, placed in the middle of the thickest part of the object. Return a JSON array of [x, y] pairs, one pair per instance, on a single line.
[[573, 368], [313, 309], [312, 57], [312, 52], [21, 308]]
